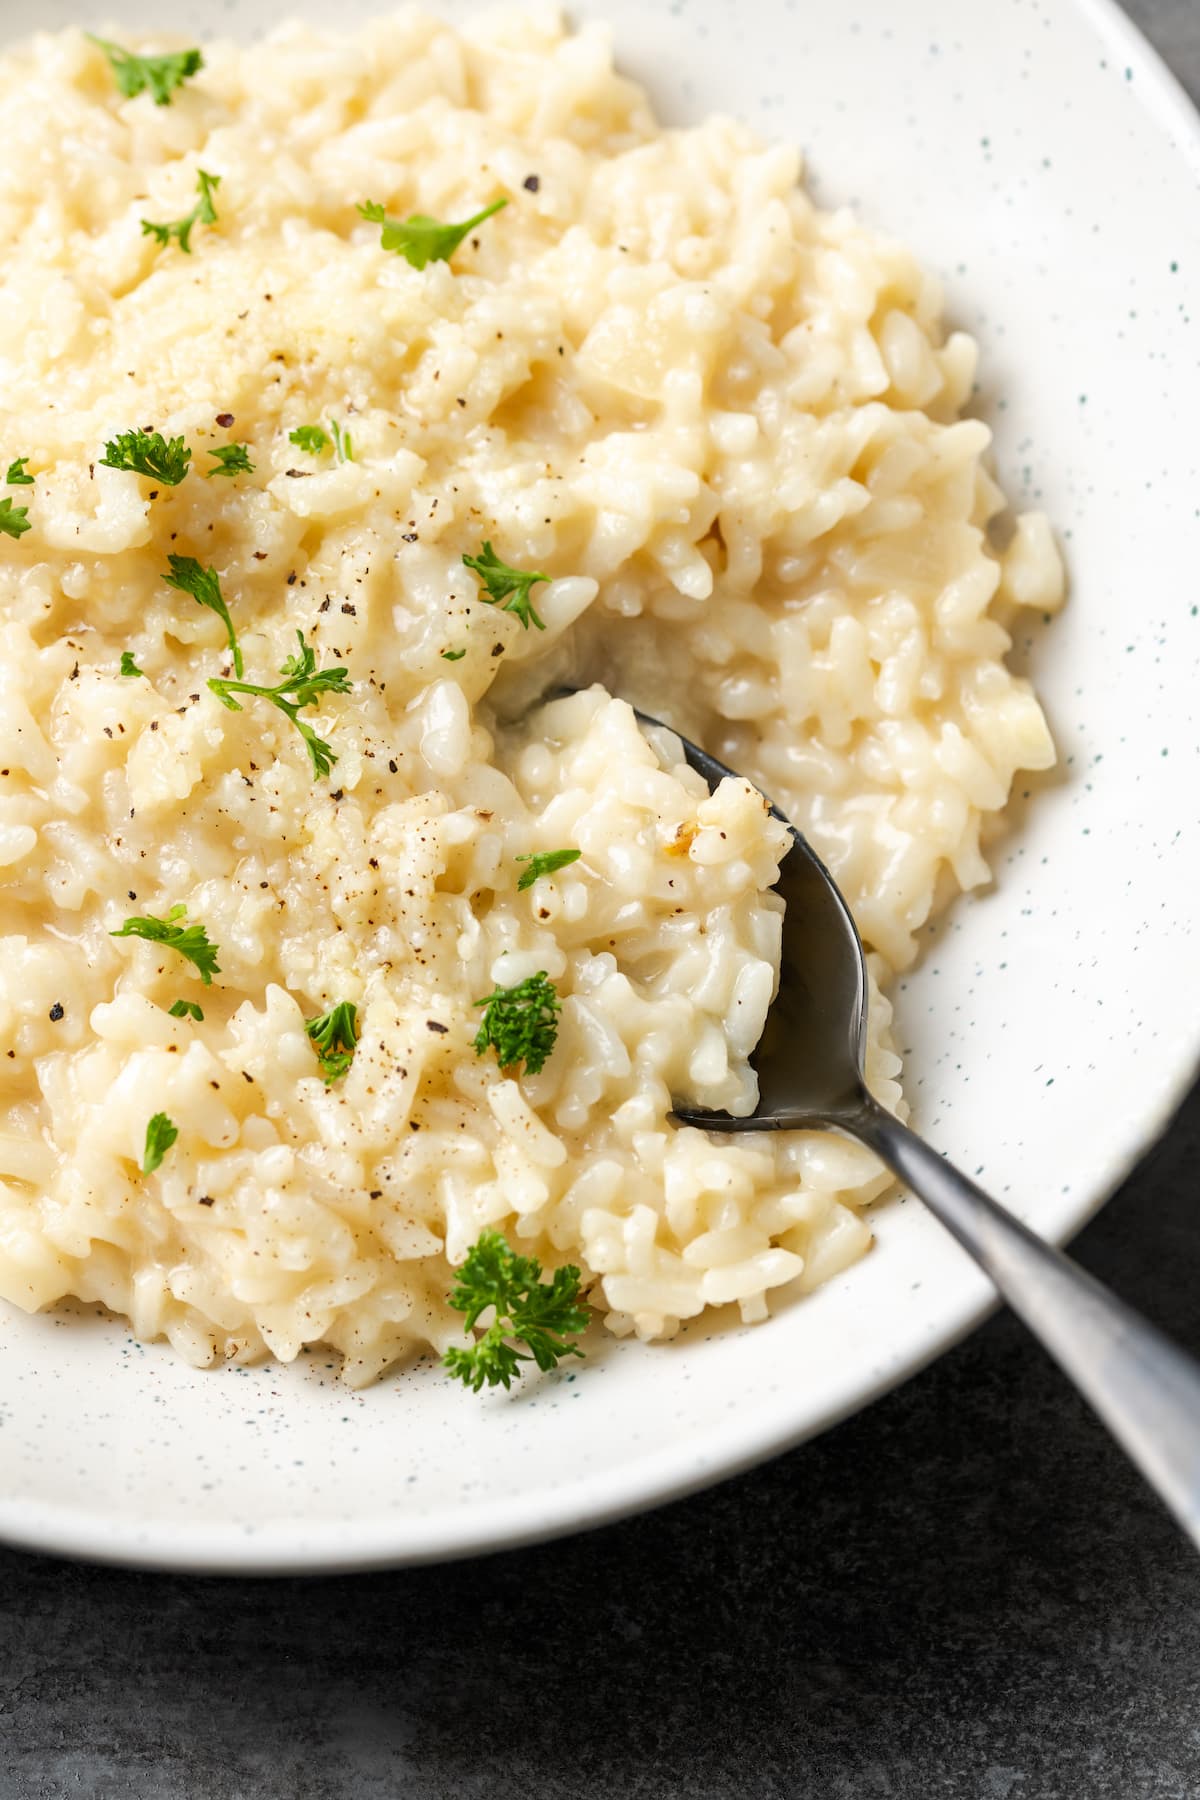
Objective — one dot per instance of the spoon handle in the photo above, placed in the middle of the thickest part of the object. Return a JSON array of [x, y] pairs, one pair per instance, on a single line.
[[1145, 1389]]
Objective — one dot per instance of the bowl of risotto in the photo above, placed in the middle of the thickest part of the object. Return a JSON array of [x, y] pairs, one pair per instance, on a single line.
[[387, 412]]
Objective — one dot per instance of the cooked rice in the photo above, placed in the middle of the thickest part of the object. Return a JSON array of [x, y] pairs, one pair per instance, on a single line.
[[725, 422]]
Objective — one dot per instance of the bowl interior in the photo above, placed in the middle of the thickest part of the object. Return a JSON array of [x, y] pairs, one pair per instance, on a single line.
[[1041, 160]]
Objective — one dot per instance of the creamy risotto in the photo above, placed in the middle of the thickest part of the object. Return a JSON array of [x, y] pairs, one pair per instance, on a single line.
[[722, 424]]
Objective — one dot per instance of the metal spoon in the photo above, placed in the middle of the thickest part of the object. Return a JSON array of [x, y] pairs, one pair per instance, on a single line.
[[810, 1073]]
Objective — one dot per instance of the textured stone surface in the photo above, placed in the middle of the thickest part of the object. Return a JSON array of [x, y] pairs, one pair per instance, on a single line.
[[1174, 26], [964, 1592]]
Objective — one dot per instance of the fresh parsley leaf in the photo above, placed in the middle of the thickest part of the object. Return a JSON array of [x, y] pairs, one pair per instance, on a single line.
[[204, 586], [149, 453], [542, 1315], [420, 239], [232, 459], [335, 1034], [506, 587], [303, 685], [315, 442], [128, 666], [544, 862], [308, 682], [13, 519], [310, 438], [186, 1009], [190, 940], [160, 1135], [161, 74], [17, 475], [520, 1023], [453, 655], [203, 213]]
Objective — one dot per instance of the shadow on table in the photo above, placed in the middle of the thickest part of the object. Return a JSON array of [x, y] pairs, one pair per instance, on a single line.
[[962, 1592]]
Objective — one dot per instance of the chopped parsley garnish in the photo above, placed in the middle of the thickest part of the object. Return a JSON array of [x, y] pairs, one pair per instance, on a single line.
[[186, 1009], [128, 666], [420, 239], [161, 74], [453, 655], [190, 940], [310, 438], [13, 519], [160, 1135], [506, 587], [149, 453], [334, 1034], [303, 685], [232, 459], [544, 862], [520, 1023], [203, 213], [204, 586], [315, 442], [341, 442], [542, 1315]]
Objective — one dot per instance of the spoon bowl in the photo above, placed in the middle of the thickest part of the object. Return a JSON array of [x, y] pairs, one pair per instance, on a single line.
[[809, 1061]]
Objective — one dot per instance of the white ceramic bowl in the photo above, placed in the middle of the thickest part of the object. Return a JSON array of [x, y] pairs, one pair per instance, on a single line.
[[1037, 155]]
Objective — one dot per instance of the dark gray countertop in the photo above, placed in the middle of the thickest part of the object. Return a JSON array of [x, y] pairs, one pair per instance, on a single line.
[[964, 1592]]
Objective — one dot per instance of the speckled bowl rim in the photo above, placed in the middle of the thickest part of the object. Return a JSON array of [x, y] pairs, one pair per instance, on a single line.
[[655, 1479]]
